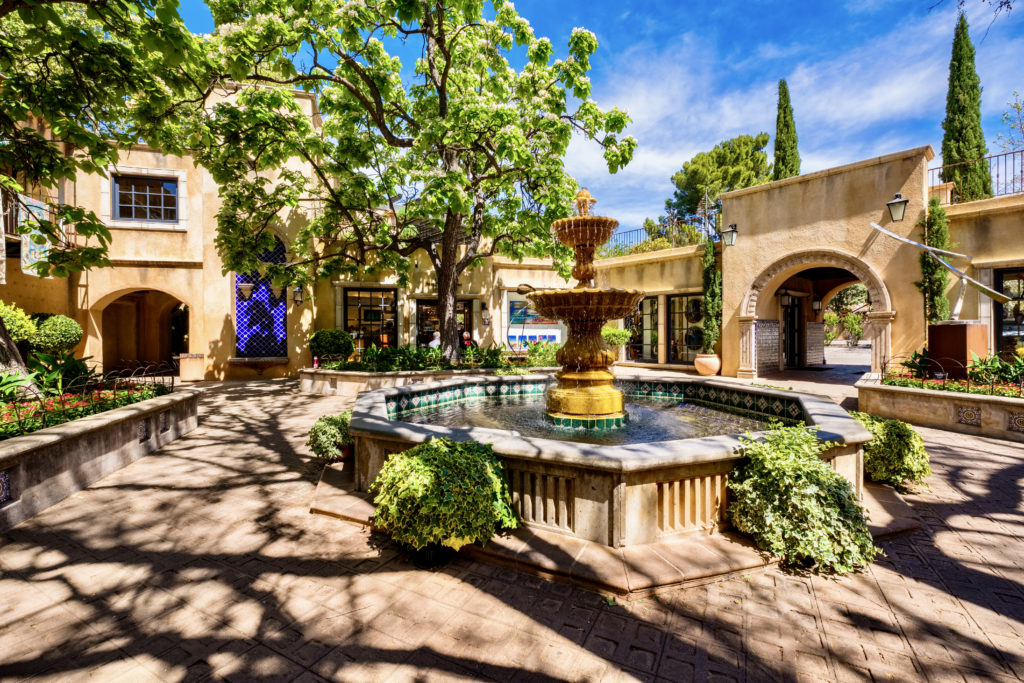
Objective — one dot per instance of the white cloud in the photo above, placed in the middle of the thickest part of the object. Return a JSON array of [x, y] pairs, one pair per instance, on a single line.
[[886, 93]]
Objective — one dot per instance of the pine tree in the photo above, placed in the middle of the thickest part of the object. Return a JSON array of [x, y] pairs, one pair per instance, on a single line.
[[934, 276], [963, 139], [787, 157]]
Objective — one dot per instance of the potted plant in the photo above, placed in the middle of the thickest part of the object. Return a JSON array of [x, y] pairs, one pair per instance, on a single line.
[[707, 361], [615, 337], [329, 438], [441, 495]]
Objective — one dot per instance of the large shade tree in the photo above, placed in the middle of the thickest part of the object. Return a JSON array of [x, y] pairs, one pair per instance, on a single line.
[[731, 165], [431, 140]]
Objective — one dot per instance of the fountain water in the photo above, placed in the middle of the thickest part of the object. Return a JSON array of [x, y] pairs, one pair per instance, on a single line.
[[585, 396]]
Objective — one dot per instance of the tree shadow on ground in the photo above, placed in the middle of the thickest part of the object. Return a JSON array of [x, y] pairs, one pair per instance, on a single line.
[[202, 561]]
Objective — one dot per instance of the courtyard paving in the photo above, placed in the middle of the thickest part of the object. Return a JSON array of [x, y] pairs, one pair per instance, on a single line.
[[202, 561]]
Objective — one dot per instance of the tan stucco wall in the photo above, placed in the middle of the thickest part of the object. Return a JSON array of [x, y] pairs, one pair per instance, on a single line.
[[826, 211]]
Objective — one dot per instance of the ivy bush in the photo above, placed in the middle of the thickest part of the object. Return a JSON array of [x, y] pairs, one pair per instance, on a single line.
[[615, 337], [57, 334], [795, 506], [896, 454], [328, 434], [331, 343], [18, 323], [443, 491]]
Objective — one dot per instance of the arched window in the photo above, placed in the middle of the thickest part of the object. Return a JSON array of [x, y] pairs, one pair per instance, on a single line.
[[261, 325]]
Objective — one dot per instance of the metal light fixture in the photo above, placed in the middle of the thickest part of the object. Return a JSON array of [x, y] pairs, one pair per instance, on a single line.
[[897, 207], [245, 290], [785, 300], [816, 305], [297, 295], [729, 236], [485, 315]]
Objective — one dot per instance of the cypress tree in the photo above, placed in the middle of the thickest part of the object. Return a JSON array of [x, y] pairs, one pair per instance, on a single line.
[[934, 276], [963, 139], [787, 158]]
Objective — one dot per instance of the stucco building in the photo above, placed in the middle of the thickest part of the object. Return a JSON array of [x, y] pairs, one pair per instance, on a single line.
[[800, 240]]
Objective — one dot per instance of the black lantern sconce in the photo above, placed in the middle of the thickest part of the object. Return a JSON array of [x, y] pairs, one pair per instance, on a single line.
[[897, 207]]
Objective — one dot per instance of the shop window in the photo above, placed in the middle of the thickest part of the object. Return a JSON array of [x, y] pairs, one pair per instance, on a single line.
[[141, 198], [371, 317], [686, 336], [261, 322], [428, 319], [643, 344], [1010, 316], [526, 326]]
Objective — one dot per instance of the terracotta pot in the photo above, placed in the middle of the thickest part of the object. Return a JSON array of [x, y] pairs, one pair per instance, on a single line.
[[707, 363], [347, 450]]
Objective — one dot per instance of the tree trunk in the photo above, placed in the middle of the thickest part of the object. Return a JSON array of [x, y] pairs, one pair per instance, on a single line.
[[447, 286], [10, 358]]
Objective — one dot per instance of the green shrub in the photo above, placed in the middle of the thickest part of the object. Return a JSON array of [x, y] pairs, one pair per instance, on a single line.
[[896, 454], [59, 373], [443, 491], [832, 326], [795, 505], [541, 354], [331, 343], [19, 325], [649, 245], [615, 337], [496, 356], [57, 334], [327, 434], [853, 324]]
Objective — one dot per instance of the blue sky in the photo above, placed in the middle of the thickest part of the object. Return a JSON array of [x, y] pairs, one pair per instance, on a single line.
[[866, 78]]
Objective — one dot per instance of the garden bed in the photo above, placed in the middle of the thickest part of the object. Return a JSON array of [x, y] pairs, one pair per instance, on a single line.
[[42, 468], [944, 408]]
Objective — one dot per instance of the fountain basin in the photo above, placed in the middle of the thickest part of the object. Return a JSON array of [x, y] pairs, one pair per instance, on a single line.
[[616, 495], [585, 303]]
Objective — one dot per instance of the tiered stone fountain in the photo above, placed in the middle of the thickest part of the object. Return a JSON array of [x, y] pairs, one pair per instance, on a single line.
[[585, 396]]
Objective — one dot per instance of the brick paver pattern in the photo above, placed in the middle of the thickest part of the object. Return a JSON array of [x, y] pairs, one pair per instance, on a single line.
[[202, 561]]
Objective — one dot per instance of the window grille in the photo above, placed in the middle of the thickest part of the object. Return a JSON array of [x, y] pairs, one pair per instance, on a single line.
[[141, 198]]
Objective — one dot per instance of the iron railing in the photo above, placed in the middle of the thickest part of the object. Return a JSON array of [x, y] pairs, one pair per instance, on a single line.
[[996, 175], [949, 374], [639, 241]]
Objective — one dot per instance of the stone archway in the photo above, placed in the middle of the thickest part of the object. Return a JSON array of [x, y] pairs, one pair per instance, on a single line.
[[878, 326]]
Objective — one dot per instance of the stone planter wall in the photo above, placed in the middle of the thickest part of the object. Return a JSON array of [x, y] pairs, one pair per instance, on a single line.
[[45, 467], [350, 383], [996, 416]]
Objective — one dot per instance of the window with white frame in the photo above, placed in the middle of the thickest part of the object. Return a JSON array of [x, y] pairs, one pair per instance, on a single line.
[[144, 198]]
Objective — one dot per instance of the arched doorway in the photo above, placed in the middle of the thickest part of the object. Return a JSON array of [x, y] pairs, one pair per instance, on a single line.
[[141, 327], [779, 327]]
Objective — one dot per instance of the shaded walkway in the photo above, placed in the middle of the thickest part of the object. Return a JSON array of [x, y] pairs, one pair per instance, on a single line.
[[203, 561]]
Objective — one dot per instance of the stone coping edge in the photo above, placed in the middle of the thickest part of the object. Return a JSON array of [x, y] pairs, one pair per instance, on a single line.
[[361, 374], [17, 448], [370, 418], [873, 382]]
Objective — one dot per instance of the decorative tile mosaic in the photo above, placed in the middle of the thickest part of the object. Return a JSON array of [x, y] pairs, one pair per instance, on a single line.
[[1015, 423], [5, 487], [143, 430], [968, 415], [165, 421], [600, 423]]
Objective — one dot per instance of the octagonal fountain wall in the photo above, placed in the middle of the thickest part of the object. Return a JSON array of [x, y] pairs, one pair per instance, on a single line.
[[617, 495]]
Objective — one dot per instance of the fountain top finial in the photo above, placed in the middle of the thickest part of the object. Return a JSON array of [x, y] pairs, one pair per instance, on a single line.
[[583, 201]]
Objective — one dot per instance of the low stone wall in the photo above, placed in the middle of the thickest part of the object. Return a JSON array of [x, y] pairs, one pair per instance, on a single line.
[[996, 416], [350, 383], [41, 469], [614, 495]]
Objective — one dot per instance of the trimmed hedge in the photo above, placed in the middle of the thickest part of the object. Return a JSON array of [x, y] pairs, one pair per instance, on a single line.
[[57, 334], [331, 343], [896, 454]]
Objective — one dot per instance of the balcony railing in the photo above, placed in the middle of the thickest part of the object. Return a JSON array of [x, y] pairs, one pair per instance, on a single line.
[[639, 241], [994, 176]]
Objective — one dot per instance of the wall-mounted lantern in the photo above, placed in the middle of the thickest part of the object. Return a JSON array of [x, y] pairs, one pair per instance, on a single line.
[[729, 236], [816, 305], [785, 300], [297, 295], [245, 290], [897, 207], [485, 315]]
